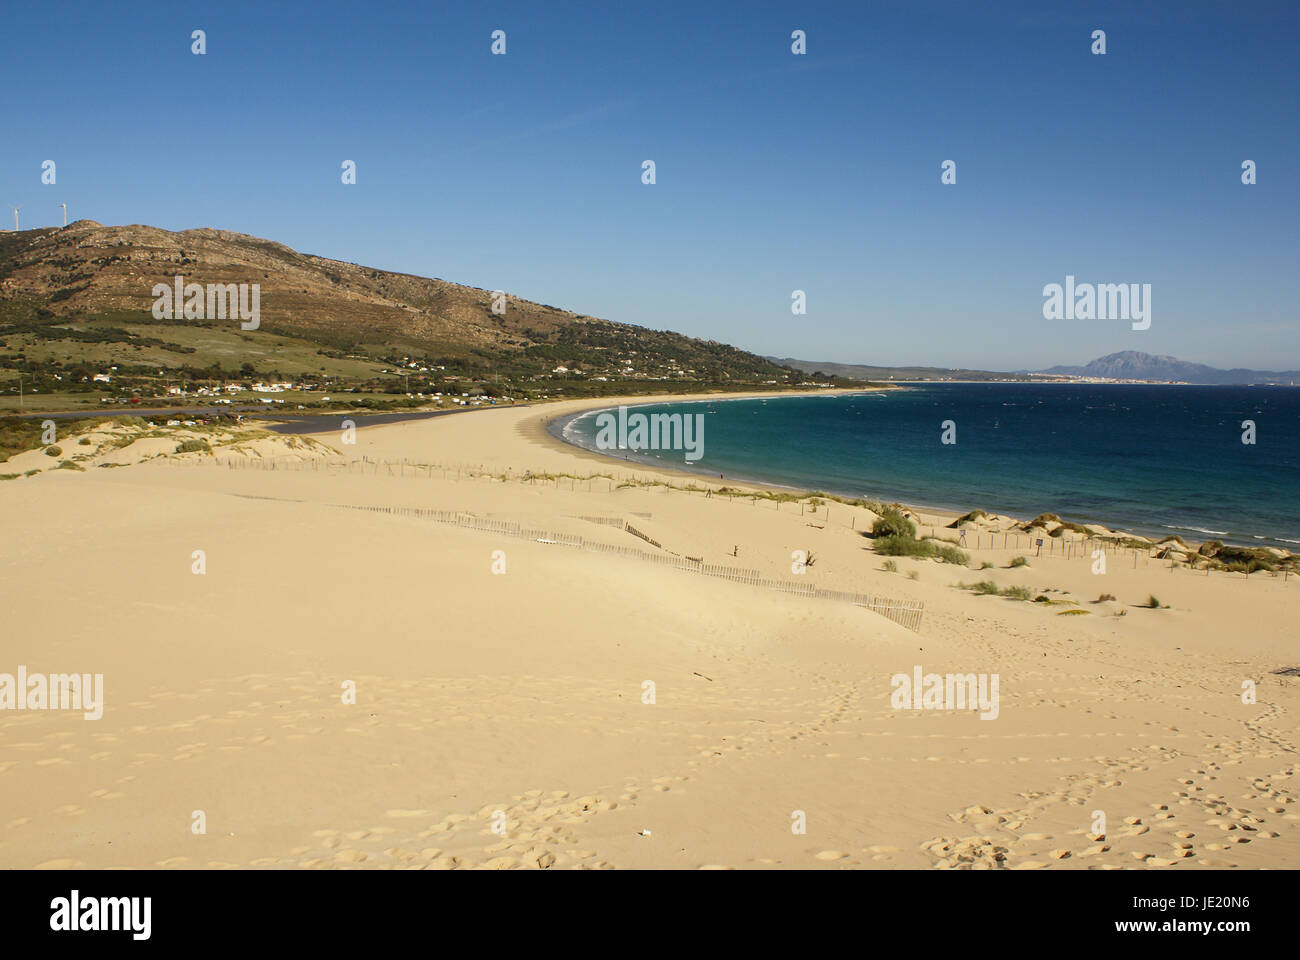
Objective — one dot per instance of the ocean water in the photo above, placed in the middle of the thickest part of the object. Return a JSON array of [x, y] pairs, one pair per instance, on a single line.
[[1146, 458]]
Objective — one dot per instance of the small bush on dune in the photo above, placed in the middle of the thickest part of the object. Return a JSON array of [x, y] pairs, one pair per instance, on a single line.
[[987, 588], [907, 547], [1068, 527], [986, 565], [913, 575], [891, 566], [893, 524], [902, 547], [54, 451], [1105, 596], [1020, 562], [193, 446], [1153, 603], [951, 555]]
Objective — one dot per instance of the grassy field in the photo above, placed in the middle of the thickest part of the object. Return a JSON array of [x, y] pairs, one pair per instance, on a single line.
[[223, 343]]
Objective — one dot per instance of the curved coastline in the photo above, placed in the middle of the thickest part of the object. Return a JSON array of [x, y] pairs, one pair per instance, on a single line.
[[557, 430]]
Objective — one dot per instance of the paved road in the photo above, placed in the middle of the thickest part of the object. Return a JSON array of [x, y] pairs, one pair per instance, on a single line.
[[292, 423], [118, 410], [330, 422]]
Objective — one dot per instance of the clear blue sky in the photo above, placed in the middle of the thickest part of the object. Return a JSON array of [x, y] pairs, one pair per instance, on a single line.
[[775, 172]]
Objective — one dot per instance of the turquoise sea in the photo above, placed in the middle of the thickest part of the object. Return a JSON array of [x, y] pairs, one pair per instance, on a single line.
[[1146, 458]]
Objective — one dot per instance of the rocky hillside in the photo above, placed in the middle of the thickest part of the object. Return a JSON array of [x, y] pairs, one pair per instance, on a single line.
[[87, 271]]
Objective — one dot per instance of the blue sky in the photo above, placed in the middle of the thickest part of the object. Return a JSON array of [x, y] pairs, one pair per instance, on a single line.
[[775, 172]]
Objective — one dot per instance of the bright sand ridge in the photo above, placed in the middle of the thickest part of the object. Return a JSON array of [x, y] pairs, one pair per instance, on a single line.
[[522, 692]]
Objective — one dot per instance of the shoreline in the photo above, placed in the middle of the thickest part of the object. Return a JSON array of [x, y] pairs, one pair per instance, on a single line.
[[552, 435]]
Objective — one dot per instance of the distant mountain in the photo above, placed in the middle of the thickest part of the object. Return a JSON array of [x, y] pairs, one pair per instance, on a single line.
[[1126, 365], [1132, 365], [859, 371]]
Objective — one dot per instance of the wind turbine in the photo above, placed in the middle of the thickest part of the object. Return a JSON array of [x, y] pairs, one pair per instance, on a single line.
[[65, 213], [16, 209]]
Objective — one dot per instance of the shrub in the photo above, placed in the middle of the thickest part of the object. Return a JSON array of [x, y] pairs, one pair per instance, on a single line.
[[1020, 562], [193, 446], [1153, 603], [69, 465], [907, 547], [1071, 613], [891, 523], [913, 575], [1018, 593], [1237, 559], [131, 420], [1067, 526], [54, 451], [986, 565], [1105, 596], [891, 566], [84, 441], [985, 588], [949, 554], [903, 547]]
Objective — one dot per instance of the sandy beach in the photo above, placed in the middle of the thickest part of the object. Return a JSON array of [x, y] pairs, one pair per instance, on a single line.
[[521, 702]]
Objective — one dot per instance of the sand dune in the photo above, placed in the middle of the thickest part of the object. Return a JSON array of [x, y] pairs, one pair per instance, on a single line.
[[500, 718]]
